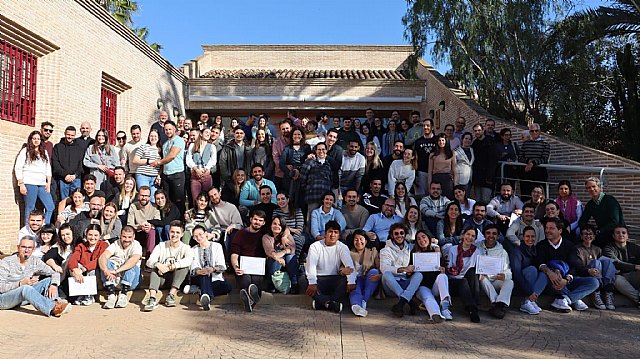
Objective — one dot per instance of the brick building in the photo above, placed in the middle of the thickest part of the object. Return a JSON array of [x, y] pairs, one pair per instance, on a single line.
[[82, 60]]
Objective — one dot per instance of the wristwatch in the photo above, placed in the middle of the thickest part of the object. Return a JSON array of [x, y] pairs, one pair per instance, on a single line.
[[147, 161]]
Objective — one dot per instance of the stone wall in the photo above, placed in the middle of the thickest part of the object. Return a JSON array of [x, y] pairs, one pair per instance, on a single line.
[[90, 42]]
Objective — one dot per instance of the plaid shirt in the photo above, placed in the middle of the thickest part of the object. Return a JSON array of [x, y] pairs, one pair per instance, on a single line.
[[318, 178]]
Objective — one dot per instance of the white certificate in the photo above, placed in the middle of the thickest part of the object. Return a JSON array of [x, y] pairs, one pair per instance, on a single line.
[[253, 265], [426, 261], [489, 265], [89, 287]]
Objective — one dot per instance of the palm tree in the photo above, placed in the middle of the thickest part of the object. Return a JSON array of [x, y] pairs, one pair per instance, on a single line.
[[121, 10]]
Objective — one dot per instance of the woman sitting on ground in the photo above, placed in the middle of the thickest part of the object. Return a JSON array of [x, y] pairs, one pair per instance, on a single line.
[[280, 249], [58, 256], [366, 259], [434, 283], [169, 212], [77, 205], [110, 223], [84, 260], [413, 223]]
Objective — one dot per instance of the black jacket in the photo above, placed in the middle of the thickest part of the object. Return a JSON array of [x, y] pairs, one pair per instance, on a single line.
[[229, 163], [67, 159]]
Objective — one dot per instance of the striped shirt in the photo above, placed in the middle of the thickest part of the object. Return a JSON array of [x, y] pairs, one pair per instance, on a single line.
[[151, 153], [536, 151]]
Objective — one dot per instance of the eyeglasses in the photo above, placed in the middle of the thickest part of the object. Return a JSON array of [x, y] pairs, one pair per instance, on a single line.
[[399, 233], [48, 130]]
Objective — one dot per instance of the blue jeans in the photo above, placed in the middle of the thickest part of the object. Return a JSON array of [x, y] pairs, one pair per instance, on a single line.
[[130, 277], [364, 288], [537, 280], [33, 193], [402, 287], [67, 188], [27, 294], [291, 263], [607, 270], [144, 180], [162, 233], [577, 289]]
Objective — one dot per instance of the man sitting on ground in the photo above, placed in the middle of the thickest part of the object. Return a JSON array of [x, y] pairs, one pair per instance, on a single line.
[[378, 225], [355, 215], [330, 270], [433, 206], [626, 259], [119, 263], [20, 282], [503, 206]]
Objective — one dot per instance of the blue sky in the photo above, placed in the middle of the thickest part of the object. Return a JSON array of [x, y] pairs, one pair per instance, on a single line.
[[183, 26]]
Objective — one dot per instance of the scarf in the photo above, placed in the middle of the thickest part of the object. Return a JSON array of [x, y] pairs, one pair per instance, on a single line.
[[455, 270], [568, 208]]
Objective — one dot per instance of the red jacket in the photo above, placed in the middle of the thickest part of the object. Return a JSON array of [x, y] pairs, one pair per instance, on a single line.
[[82, 255]]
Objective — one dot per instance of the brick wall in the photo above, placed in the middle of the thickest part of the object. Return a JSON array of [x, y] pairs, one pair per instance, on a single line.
[[69, 80]]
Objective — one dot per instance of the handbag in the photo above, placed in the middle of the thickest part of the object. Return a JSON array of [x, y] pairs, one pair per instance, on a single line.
[[281, 281], [110, 172]]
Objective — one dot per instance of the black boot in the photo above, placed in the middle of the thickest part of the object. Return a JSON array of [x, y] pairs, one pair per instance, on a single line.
[[398, 308]]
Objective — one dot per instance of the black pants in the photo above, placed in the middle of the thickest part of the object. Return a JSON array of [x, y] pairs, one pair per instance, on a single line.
[[468, 288], [174, 184], [244, 280], [536, 177], [218, 287], [331, 288]]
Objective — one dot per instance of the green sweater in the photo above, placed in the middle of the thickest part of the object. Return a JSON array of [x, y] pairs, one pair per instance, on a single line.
[[607, 213]]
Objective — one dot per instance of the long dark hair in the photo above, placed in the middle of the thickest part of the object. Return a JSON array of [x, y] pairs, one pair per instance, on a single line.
[[61, 244], [447, 147], [167, 206], [416, 247], [33, 153], [450, 229], [107, 146], [277, 239], [49, 228]]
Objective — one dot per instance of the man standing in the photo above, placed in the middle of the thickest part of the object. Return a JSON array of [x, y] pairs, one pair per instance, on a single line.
[[347, 134], [355, 215], [330, 270], [484, 167], [323, 214], [159, 126], [140, 213], [248, 243], [433, 206], [334, 151], [422, 148], [534, 153], [604, 209], [454, 142], [352, 170], [370, 116], [20, 282], [85, 139], [497, 287], [235, 154], [318, 176], [278, 146], [378, 224], [626, 258], [170, 262], [489, 129], [66, 162], [460, 125], [414, 132], [398, 277], [250, 192], [173, 181], [119, 263], [552, 258], [129, 150]]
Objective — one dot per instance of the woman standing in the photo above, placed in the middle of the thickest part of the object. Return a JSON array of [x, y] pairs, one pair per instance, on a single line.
[[101, 158], [261, 153], [442, 166], [280, 249], [507, 152], [433, 283], [33, 172], [403, 170], [462, 272], [147, 175], [464, 162], [201, 157], [367, 135], [366, 260], [390, 138], [291, 162]]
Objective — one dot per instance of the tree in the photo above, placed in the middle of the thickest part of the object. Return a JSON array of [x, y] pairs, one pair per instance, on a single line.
[[123, 10], [495, 47]]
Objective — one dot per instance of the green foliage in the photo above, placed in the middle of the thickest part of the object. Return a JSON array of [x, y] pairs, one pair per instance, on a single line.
[[123, 10]]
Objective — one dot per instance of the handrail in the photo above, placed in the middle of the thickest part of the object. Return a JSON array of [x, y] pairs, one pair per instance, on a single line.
[[575, 168]]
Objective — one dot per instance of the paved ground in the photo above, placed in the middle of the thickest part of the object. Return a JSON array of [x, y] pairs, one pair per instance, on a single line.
[[294, 332]]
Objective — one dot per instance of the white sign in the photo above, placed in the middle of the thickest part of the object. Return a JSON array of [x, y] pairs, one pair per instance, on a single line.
[[88, 287], [253, 265], [489, 265], [426, 261]]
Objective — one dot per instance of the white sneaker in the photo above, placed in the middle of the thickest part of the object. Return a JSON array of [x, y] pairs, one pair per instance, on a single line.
[[537, 307], [529, 308], [111, 301], [446, 314], [561, 304], [579, 305], [359, 311], [191, 289]]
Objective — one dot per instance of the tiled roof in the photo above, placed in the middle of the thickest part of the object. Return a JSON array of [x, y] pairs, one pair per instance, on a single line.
[[306, 74]]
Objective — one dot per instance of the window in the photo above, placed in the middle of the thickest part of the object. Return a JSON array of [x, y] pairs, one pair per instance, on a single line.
[[108, 107], [17, 84]]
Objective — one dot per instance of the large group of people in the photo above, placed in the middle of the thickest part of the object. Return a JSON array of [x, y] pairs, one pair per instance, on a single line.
[[356, 207]]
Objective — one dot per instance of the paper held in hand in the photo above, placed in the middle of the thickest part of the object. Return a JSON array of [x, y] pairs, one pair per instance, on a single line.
[[489, 265], [253, 265], [426, 261], [89, 287]]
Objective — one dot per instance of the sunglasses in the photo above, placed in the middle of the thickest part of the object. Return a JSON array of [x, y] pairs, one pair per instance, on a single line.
[[399, 233], [48, 130], [121, 138]]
